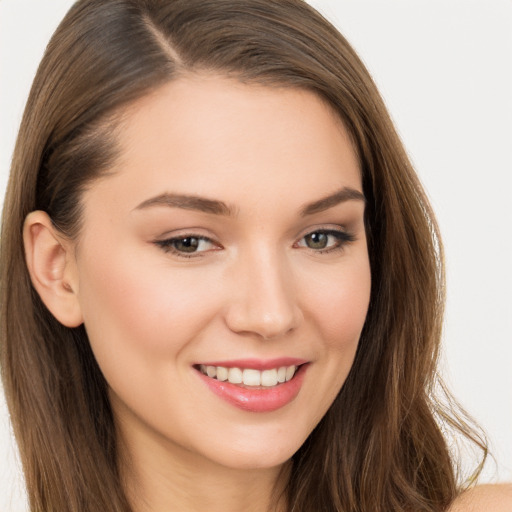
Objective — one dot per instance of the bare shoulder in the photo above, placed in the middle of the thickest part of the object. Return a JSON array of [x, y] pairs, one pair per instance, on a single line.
[[485, 498]]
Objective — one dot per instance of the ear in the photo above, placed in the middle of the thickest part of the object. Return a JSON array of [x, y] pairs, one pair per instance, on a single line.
[[52, 268]]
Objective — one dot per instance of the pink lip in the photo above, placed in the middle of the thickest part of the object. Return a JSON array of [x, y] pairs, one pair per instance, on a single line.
[[257, 399], [258, 364]]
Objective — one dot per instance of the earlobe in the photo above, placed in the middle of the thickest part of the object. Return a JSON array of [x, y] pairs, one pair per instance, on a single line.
[[52, 268]]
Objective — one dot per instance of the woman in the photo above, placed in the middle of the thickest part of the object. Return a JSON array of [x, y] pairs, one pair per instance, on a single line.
[[222, 284]]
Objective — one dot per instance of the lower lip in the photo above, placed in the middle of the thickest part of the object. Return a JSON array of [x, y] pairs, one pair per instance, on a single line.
[[258, 399]]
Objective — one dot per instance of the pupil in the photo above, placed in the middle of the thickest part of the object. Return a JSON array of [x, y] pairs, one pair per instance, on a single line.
[[189, 244], [316, 240]]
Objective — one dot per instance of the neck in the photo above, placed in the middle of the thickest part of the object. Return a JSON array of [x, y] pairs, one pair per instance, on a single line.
[[162, 478]]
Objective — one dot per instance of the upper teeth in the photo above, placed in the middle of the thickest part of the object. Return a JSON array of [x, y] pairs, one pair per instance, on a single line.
[[249, 376]]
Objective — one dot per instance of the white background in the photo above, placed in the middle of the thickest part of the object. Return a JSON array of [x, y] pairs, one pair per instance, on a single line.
[[444, 68]]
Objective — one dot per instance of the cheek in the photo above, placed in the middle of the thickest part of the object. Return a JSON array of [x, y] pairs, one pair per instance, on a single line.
[[340, 303], [335, 310], [145, 308]]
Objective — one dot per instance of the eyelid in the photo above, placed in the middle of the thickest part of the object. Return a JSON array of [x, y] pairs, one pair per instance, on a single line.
[[166, 244], [343, 236]]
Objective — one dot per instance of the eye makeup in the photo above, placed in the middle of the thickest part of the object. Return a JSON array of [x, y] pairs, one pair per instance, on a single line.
[[326, 240], [320, 241], [188, 246]]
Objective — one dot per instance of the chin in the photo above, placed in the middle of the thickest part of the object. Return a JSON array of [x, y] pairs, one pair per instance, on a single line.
[[254, 460], [258, 453]]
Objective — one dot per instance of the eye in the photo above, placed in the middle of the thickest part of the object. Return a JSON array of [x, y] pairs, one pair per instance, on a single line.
[[325, 240], [187, 246]]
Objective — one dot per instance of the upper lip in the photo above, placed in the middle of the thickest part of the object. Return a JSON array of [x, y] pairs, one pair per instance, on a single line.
[[257, 364]]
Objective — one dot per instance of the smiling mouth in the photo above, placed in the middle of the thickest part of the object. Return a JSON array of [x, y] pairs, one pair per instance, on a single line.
[[250, 377]]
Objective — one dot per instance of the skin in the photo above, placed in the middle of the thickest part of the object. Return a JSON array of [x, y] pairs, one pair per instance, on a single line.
[[485, 498], [255, 289]]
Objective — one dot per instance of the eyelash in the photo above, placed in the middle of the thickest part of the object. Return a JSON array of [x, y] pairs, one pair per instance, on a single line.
[[342, 238], [168, 245]]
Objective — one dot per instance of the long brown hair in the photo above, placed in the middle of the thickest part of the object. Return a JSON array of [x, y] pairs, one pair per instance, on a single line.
[[380, 446]]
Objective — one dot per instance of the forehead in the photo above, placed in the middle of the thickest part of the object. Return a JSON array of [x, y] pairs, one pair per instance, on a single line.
[[220, 138]]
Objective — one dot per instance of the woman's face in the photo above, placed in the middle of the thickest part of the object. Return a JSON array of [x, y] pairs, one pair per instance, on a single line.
[[228, 240]]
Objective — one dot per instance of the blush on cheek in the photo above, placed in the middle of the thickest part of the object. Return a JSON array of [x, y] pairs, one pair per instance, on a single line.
[[145, 306], [342, 310]]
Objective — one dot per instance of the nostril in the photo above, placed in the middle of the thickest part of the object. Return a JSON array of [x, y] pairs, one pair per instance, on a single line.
[[264, 320], [263, 302]]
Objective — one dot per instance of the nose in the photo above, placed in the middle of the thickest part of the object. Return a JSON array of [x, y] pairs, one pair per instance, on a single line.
[[262, 299]]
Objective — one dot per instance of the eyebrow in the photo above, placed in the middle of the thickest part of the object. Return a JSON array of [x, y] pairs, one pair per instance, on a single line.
[[341, 196], [216, 207], [188, 202]]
